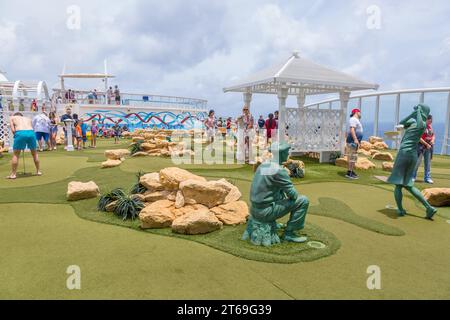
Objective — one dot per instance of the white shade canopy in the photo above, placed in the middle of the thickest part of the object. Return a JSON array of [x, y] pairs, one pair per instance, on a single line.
[[299, 74]]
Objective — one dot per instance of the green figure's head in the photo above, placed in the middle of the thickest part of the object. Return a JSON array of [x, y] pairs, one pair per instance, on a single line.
[[425, 110], [280, 152]]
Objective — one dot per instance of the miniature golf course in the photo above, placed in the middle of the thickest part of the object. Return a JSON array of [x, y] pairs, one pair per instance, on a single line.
[[43, 234]]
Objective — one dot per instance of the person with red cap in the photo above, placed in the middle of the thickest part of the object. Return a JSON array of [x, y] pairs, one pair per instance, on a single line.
[[354, 138]]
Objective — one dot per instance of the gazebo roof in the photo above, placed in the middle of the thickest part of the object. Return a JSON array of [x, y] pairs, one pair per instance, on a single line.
[[300, 74]]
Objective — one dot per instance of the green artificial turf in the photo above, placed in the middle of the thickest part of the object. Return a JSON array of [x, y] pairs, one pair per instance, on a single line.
[[42, 234]]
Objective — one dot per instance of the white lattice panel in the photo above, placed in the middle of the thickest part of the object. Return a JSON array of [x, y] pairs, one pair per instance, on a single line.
[[312, 130]]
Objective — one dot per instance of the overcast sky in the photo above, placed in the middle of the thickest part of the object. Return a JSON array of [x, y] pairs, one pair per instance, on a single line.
[[195, 48]]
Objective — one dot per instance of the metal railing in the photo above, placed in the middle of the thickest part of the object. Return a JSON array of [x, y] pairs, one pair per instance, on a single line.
[[133, 99], [398, 94]]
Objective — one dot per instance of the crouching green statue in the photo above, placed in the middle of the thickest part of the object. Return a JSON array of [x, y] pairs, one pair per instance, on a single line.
[[405, 163], [272, 197]]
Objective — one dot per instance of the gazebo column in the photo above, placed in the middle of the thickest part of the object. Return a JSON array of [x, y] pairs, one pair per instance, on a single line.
[[248, 99], [282, 97], [344, 97], [301, 99]]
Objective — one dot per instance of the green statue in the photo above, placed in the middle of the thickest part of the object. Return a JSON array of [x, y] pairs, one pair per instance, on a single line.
[[272, 197], [404, 166]]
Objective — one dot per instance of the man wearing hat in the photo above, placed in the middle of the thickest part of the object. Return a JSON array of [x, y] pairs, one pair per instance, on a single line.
[[354, 138], [273, 196]]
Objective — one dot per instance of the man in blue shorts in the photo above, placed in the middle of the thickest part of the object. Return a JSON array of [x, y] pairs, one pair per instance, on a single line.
[[24, 137]]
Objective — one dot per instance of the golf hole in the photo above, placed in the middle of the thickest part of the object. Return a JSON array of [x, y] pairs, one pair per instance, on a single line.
[[316, 245]]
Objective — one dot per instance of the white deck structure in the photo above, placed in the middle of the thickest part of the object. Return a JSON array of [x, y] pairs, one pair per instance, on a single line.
[[309, 130]]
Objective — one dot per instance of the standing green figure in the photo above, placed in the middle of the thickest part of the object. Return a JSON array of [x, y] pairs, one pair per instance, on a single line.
[[404, 166], [272, 197]]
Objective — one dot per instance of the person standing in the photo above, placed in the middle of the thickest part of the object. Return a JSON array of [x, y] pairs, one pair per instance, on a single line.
[[354, 138], [109, 95], [246, 125], [117, 95], [65, 117], [425, 151], [94, 132], [210, 126], [53, 131], [41, 125], [24, 137], [271, 127], [261, 125]]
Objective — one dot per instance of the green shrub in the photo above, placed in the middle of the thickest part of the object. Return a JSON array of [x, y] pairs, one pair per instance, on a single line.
[[136, 147], [109, 197], [138, 188], [128, 207]]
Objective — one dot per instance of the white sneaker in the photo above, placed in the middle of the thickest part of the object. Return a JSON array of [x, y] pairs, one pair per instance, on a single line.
[[429, 181]]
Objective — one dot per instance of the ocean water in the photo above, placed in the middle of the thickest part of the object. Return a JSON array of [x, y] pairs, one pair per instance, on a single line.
[[439, 129]]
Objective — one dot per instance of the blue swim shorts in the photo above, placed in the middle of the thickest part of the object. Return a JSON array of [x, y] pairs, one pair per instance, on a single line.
[[42, 135], [25, 139]]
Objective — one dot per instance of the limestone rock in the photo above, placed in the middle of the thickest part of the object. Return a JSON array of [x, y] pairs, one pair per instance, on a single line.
[[233, 194], [157, 215], [116, 154], [208, 193], [388, 166], [138, 139], [140, 154], [179, 201], [384, 156], [172, 177], [366, 145], [374, 140], [151, 182], [364, 152], [232, 214], [380, 146], [139, 197], [190, 209], [196, 223], [362, 164], [111, 207], [148, 146], [438, 197], [153, 196], [111, 164], [79, 190]]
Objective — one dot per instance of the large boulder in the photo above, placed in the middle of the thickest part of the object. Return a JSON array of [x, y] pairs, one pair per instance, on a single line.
[[438, 197], [208, 193], [151, 182], [111, 164], [148, 146], [172, 177], [190, 209], [157, 215], [80, 190], [116, 154], [384, 156], [364, 152], [140, 154], [374, 140], [200, 222], [232, 214]]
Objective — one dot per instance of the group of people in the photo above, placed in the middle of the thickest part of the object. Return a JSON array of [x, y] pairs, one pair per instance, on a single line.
[[93, 96]]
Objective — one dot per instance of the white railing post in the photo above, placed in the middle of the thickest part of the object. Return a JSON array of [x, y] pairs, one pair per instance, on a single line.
[[447, 129], [377, 116]]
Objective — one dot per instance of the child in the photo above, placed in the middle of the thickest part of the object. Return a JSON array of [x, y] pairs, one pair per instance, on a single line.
[[83, 126], [94, 132], [78, 134], [116, 133]]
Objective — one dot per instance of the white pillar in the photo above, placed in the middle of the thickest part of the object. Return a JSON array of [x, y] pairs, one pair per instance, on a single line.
[[377, 116], [301, 99], [248, 99], [447, 129], [282, 97], [344, 97], [68, 124]]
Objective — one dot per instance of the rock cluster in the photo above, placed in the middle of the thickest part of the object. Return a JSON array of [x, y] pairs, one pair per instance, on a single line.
[[361, 164], [189, 204], [157, 143]]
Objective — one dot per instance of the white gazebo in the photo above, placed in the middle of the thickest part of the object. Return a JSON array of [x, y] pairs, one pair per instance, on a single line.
[[309, 130]]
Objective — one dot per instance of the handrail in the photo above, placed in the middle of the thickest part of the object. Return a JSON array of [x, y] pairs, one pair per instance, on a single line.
[[382, 93]]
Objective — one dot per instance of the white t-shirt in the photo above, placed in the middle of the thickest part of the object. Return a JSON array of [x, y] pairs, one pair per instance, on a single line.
[[355, 123]]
